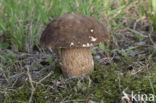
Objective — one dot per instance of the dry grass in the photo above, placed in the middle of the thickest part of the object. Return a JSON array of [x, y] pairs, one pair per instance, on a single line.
[[128, 61]]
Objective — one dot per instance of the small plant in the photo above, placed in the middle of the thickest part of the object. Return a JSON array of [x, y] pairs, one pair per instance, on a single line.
[[151, 13], [154, 12]]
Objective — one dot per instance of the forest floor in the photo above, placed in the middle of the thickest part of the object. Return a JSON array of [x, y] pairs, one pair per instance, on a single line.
[[123, 66]]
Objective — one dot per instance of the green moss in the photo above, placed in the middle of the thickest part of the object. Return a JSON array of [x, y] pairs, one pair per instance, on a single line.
[[19, 95], [106, 84]]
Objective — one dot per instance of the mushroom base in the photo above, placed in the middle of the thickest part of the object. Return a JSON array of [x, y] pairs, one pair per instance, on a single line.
[[76, 61]]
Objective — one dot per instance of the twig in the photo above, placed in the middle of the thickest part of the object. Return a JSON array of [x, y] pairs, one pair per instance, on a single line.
[[30, 79], [152, 40], [136, 33], [17, 75], [31, 83], [46, 76], [14, 83], [30, 99], [5, 77], [67, 101], [47, 67]]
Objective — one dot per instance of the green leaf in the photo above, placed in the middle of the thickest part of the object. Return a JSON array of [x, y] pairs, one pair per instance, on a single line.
[[50, 60], [154, 6], [102, 47], [94, 51], [2, 26]]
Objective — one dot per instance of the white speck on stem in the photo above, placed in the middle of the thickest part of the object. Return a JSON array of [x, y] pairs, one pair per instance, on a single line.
[[91, 30], [84, 45], [92, 38], [71, 44]]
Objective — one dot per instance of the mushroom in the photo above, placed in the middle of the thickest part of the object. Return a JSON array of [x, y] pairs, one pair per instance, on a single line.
[[74, 34]]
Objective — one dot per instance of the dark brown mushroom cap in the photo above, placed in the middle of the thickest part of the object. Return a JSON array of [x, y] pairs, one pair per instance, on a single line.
[[73, 30]]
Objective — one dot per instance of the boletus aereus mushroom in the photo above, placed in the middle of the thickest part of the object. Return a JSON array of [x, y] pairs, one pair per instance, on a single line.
[[74, 34]]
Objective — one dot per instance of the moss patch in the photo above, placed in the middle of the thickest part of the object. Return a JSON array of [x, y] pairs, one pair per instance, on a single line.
[[105, 83]]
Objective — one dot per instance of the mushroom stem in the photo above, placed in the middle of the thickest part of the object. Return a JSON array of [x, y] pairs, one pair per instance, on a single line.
[[76, 61]]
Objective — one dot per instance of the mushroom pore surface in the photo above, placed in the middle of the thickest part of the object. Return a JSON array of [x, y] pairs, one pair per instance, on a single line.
[[76, 61]]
